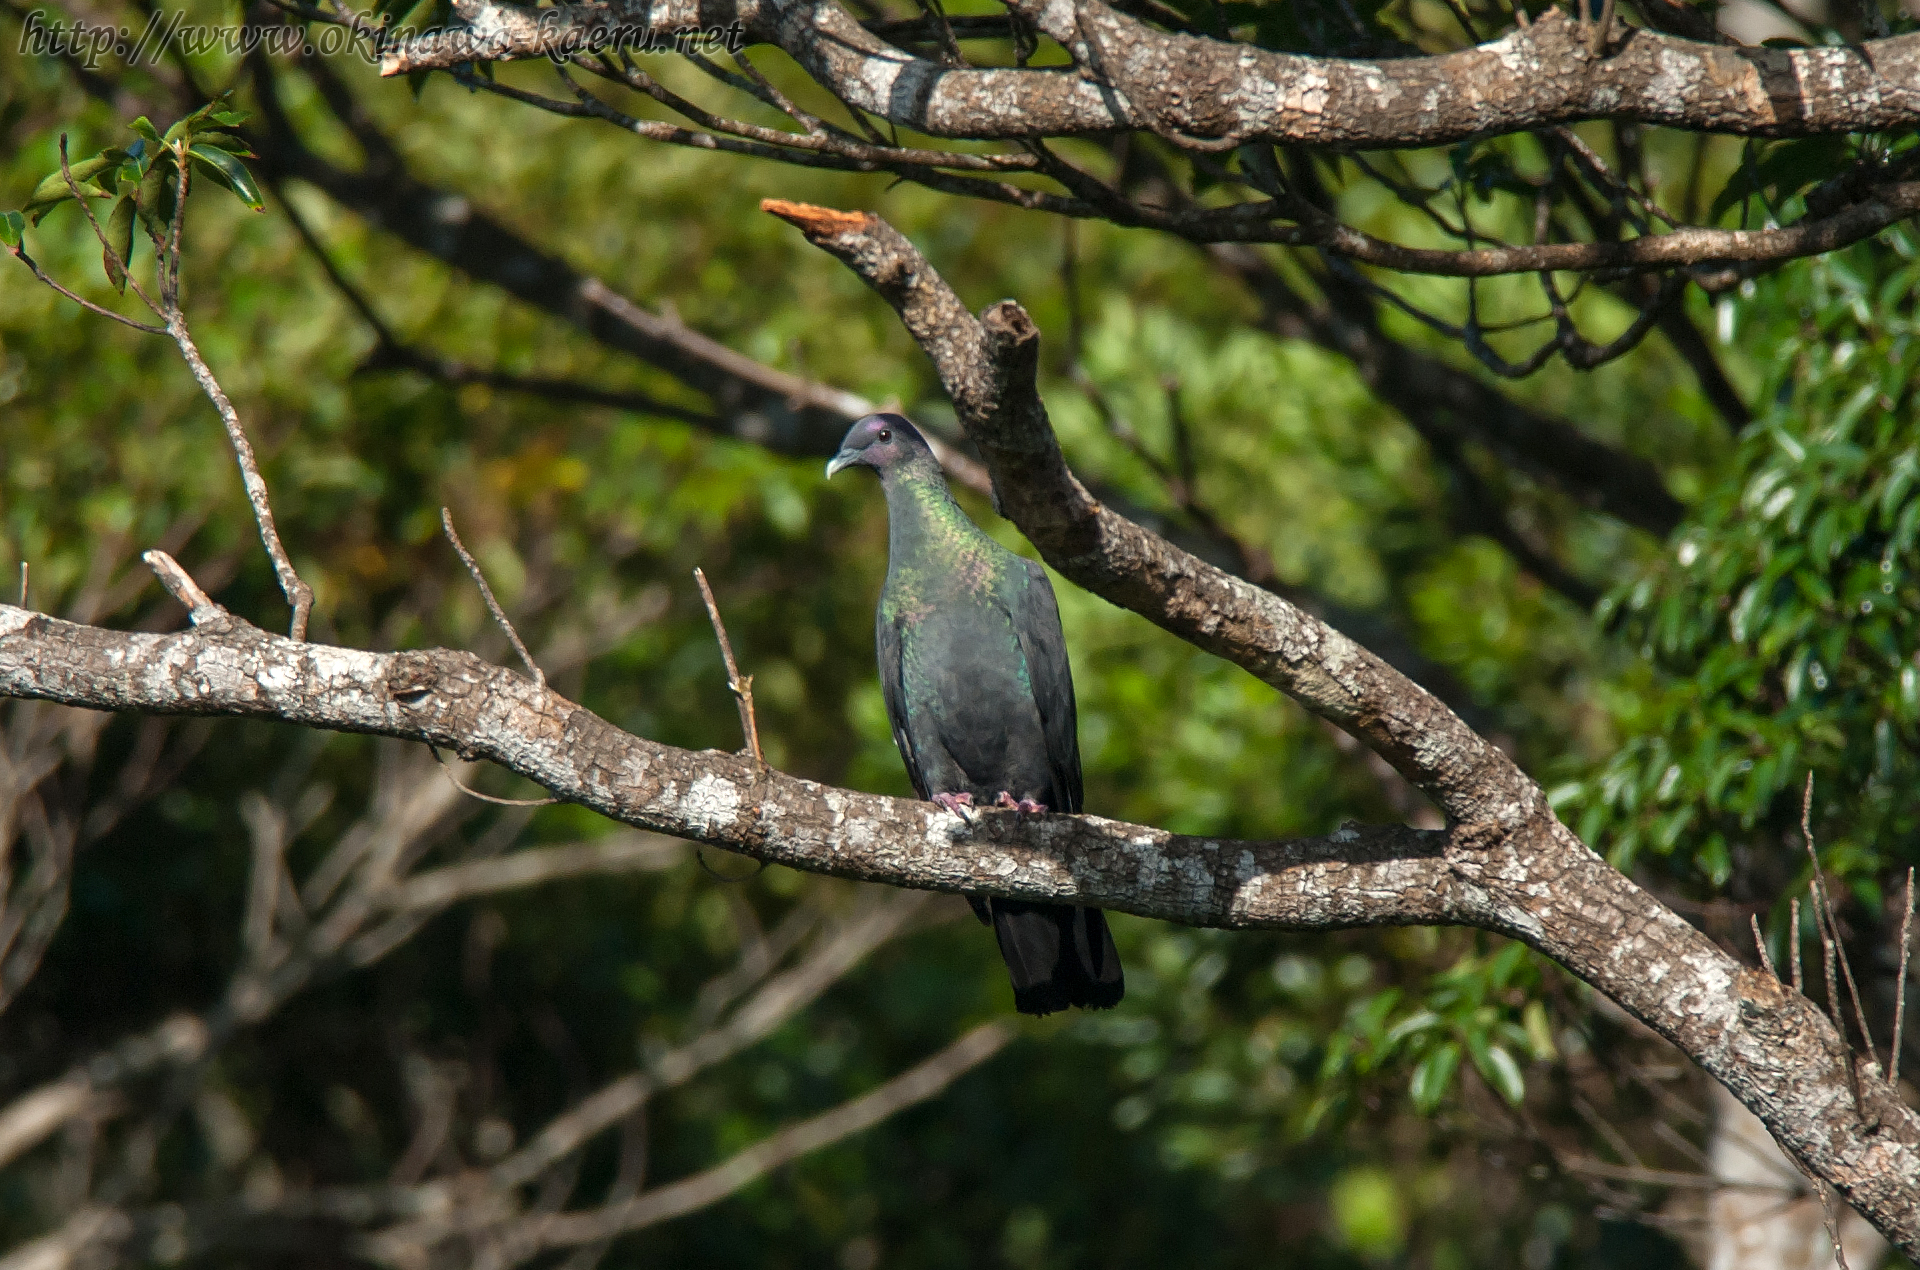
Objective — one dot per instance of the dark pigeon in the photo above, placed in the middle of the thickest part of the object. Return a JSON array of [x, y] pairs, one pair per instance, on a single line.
[[974, 669]]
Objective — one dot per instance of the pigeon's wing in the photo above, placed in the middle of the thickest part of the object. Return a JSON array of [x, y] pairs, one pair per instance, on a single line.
[[1036, 622], [893, 688]]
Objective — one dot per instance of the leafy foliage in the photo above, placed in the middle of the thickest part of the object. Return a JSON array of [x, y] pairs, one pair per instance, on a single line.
[[1252, 1083], [1781, 634]]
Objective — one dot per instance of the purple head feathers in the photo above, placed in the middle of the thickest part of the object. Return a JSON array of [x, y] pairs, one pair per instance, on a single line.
[[884, 442]]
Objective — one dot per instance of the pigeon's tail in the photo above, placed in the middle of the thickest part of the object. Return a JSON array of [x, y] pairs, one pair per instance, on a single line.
[[1058, 955]]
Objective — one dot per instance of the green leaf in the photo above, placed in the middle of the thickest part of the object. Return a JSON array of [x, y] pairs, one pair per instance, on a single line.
[[12, 226], [183, 127], [1434, 1075], [119, 237], [144, 128], [1499, 1070], [1417, 1022], [1539, 1034], [1509, 962], [134, 170], [54, 190], [156, 196], [230, 172], [224, 141]]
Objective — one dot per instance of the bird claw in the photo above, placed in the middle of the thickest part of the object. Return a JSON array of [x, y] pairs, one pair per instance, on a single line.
[[1023, 805], [960, 805]]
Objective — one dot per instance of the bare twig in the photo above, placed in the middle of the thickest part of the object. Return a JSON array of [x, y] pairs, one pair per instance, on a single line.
[[181, 586], [1760, 942], [23, 584], [1664, 1177], [1822, 913], [1597, 38], [740, 686], [493, 605], [1900, 987], [470, 792], [299, 594], [1828, 1205], [628, 852], [1834, 951], [20, 254], [700, 857], [1598, 166], [168, 268], [267, 826], [1793, 942], [913, 1086]]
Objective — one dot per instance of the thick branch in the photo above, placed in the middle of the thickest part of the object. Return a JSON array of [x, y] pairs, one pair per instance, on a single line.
[[987, 367], [1504, 846], [1770, 1046], [225, 666], [1141, 77]]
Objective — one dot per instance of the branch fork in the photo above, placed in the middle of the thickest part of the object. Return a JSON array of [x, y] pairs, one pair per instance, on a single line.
[[1773, 1050]]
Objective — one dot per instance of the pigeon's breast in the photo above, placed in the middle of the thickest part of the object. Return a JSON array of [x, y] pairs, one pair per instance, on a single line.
[[963, 667]]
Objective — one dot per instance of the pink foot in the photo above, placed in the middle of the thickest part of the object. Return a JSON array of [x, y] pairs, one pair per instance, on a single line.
[[958, 804], [1026, 805]]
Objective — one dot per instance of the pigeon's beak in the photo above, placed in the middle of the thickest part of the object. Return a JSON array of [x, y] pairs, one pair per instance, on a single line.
[[846, 458]]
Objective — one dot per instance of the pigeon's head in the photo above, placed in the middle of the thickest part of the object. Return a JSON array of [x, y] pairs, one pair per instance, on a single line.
[[886, 443]]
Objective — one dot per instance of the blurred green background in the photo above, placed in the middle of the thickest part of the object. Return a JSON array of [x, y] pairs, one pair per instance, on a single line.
[[1389, 1098]]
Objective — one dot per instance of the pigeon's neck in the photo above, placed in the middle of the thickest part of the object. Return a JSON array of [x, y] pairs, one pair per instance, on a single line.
[[923, 519]]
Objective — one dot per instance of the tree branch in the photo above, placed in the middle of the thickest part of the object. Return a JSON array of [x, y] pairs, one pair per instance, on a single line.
[[1442, 403], [1504, 844], [1771, 1047], [915, 1085], [1193, 86]]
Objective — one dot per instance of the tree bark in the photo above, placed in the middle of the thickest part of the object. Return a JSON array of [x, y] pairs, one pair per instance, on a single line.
[[1515, 871], [1192, 86], [1828, 1107]]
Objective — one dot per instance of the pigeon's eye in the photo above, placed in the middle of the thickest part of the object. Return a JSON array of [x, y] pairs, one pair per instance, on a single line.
[[886, 434]]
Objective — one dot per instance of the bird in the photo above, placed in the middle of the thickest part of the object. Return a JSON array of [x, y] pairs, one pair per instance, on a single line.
[[974, 670]]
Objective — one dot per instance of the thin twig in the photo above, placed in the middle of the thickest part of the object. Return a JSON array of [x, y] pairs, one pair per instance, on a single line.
[[741, 687], [267, 826], [1827, 1207], [21, 255], [1597, 41], [1466, 24], [181, 586], [1598, 166], [169, 269], [493, 605], [917, 1084], [23, 584], [1833, 930], [1760, 942], [1793, 923], [1900, 987], [486, 798], [299, 594], [86, 209], [700, 857], [1821, 910]]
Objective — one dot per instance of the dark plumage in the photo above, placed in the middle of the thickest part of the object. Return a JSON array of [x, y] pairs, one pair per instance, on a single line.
[[974, 669]]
